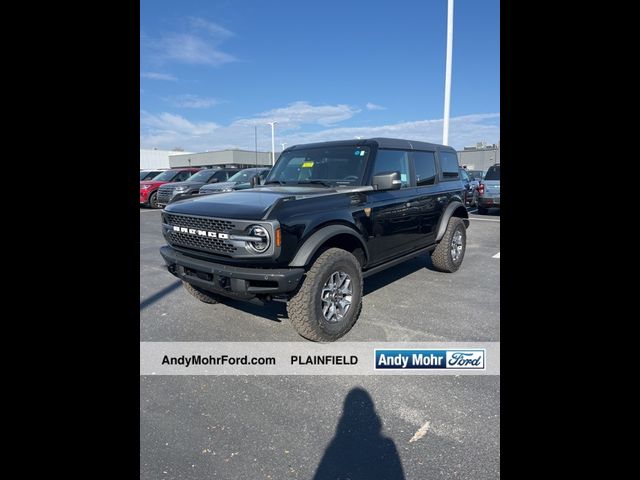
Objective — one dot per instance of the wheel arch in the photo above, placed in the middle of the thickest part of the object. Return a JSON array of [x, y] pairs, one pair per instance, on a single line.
[[329, 236], [454, 209]]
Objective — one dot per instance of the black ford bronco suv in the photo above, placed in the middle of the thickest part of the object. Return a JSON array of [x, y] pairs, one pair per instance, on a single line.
[[328, 215]]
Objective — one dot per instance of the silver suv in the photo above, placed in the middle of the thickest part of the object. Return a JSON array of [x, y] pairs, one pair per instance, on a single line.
[[489, 190]]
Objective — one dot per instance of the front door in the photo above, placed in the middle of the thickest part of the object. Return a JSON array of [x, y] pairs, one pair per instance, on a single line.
[[394, 217]]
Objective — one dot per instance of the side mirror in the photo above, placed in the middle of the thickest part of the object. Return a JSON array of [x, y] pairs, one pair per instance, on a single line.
[[213, 180], [255, 180], [387, 181]]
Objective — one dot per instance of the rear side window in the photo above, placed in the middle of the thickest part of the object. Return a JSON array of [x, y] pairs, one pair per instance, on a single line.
[[393, 160], [425, 167], [182, 176], [493, 173], [449, 166]]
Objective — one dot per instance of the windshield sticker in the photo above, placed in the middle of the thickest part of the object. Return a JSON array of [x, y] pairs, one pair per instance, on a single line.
[[362, 153], [307, 165], [403, 177]]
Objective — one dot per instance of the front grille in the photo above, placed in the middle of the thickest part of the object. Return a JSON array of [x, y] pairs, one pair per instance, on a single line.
[[198, 242], [164, 194]]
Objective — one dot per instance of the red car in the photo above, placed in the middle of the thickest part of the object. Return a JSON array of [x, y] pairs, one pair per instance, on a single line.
[[149, 188]]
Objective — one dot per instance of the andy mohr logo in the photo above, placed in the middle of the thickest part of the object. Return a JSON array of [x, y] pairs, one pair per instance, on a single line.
[[429, 359]]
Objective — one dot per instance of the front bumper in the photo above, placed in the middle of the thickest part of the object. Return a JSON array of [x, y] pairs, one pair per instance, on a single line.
[[234, 282]]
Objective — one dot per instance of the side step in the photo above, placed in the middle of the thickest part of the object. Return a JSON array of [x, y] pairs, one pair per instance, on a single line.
[[396, 261]]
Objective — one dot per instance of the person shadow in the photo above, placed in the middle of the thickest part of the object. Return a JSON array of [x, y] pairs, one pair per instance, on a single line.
[[359, 451]]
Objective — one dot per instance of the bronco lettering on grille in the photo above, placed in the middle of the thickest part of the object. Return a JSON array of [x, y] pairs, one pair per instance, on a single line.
[[202, 233]]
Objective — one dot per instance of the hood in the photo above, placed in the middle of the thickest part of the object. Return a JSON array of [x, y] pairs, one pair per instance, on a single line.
[[249, 204], [187, 184], [152, 183], [218, 186]]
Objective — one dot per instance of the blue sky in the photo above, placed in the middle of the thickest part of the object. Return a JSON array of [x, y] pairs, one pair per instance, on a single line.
[[329, 70]]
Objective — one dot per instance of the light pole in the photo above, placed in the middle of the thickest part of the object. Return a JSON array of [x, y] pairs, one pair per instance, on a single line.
[[273, 142], [447, 80]]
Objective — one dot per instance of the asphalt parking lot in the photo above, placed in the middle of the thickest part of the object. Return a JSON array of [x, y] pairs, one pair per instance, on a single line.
[[292, 427]]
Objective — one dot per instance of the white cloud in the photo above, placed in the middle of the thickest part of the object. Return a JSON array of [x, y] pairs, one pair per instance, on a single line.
[[193, 101], [159, 76], [373, 106], [199, 45], [167, 130], [299, 113], [211, 28]]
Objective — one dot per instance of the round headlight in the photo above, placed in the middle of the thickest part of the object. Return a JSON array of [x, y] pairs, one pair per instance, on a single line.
[[262, 246]]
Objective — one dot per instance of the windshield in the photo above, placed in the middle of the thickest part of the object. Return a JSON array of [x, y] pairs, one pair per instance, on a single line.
[[493, 173], [243, 175], [475, 174], [148, 175], [166, 176], [333, 166], [201, 176]]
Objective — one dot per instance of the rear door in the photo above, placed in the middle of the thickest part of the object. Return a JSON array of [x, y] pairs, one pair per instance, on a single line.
[[428, 201]]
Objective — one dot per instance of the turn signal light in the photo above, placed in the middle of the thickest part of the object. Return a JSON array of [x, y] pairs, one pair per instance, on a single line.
[[278, 237]]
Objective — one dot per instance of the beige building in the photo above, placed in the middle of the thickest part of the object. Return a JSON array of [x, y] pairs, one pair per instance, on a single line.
[[479, 157], [236, 158]]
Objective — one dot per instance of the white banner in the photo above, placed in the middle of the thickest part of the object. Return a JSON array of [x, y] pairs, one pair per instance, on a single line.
[[308, 358]]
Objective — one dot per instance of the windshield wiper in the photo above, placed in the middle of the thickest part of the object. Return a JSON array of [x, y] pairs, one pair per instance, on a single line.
[[279, 182], [315, 182]]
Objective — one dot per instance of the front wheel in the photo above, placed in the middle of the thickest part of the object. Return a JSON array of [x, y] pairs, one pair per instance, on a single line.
[[330, 299], [448, 255], [153, 200]]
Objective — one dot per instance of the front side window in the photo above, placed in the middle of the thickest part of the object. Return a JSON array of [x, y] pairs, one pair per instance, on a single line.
[[449, 166], [393, 161], [332, 166], [425, 166]]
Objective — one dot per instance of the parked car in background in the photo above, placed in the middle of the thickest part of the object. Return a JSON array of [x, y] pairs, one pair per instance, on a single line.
[[239, 181], [470, 188], [181, 190], [149, 188], [489, 190], [149, 174]]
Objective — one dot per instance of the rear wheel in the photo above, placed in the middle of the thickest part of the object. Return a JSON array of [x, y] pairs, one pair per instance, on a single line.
[[448, 255], [483, 210], [330, 299], [200, 294]]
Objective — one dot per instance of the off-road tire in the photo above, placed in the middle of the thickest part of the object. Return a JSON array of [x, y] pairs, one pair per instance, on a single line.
[[153, 200], [200, 294], [305, 307], [482, 210], [441, 257]]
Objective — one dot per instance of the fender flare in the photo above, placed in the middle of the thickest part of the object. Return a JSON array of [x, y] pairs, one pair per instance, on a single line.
[[448, 213], [317, 239]]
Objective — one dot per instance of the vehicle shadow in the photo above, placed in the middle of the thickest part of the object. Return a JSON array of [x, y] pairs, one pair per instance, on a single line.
[[393, 274], [277, 311], [274, 311], [359, 451]]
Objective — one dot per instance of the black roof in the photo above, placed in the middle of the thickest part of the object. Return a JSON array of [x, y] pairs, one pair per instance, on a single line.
[[379, 141]]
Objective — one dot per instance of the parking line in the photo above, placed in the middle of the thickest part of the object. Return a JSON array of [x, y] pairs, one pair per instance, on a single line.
[[497, 255], [484, 219]]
